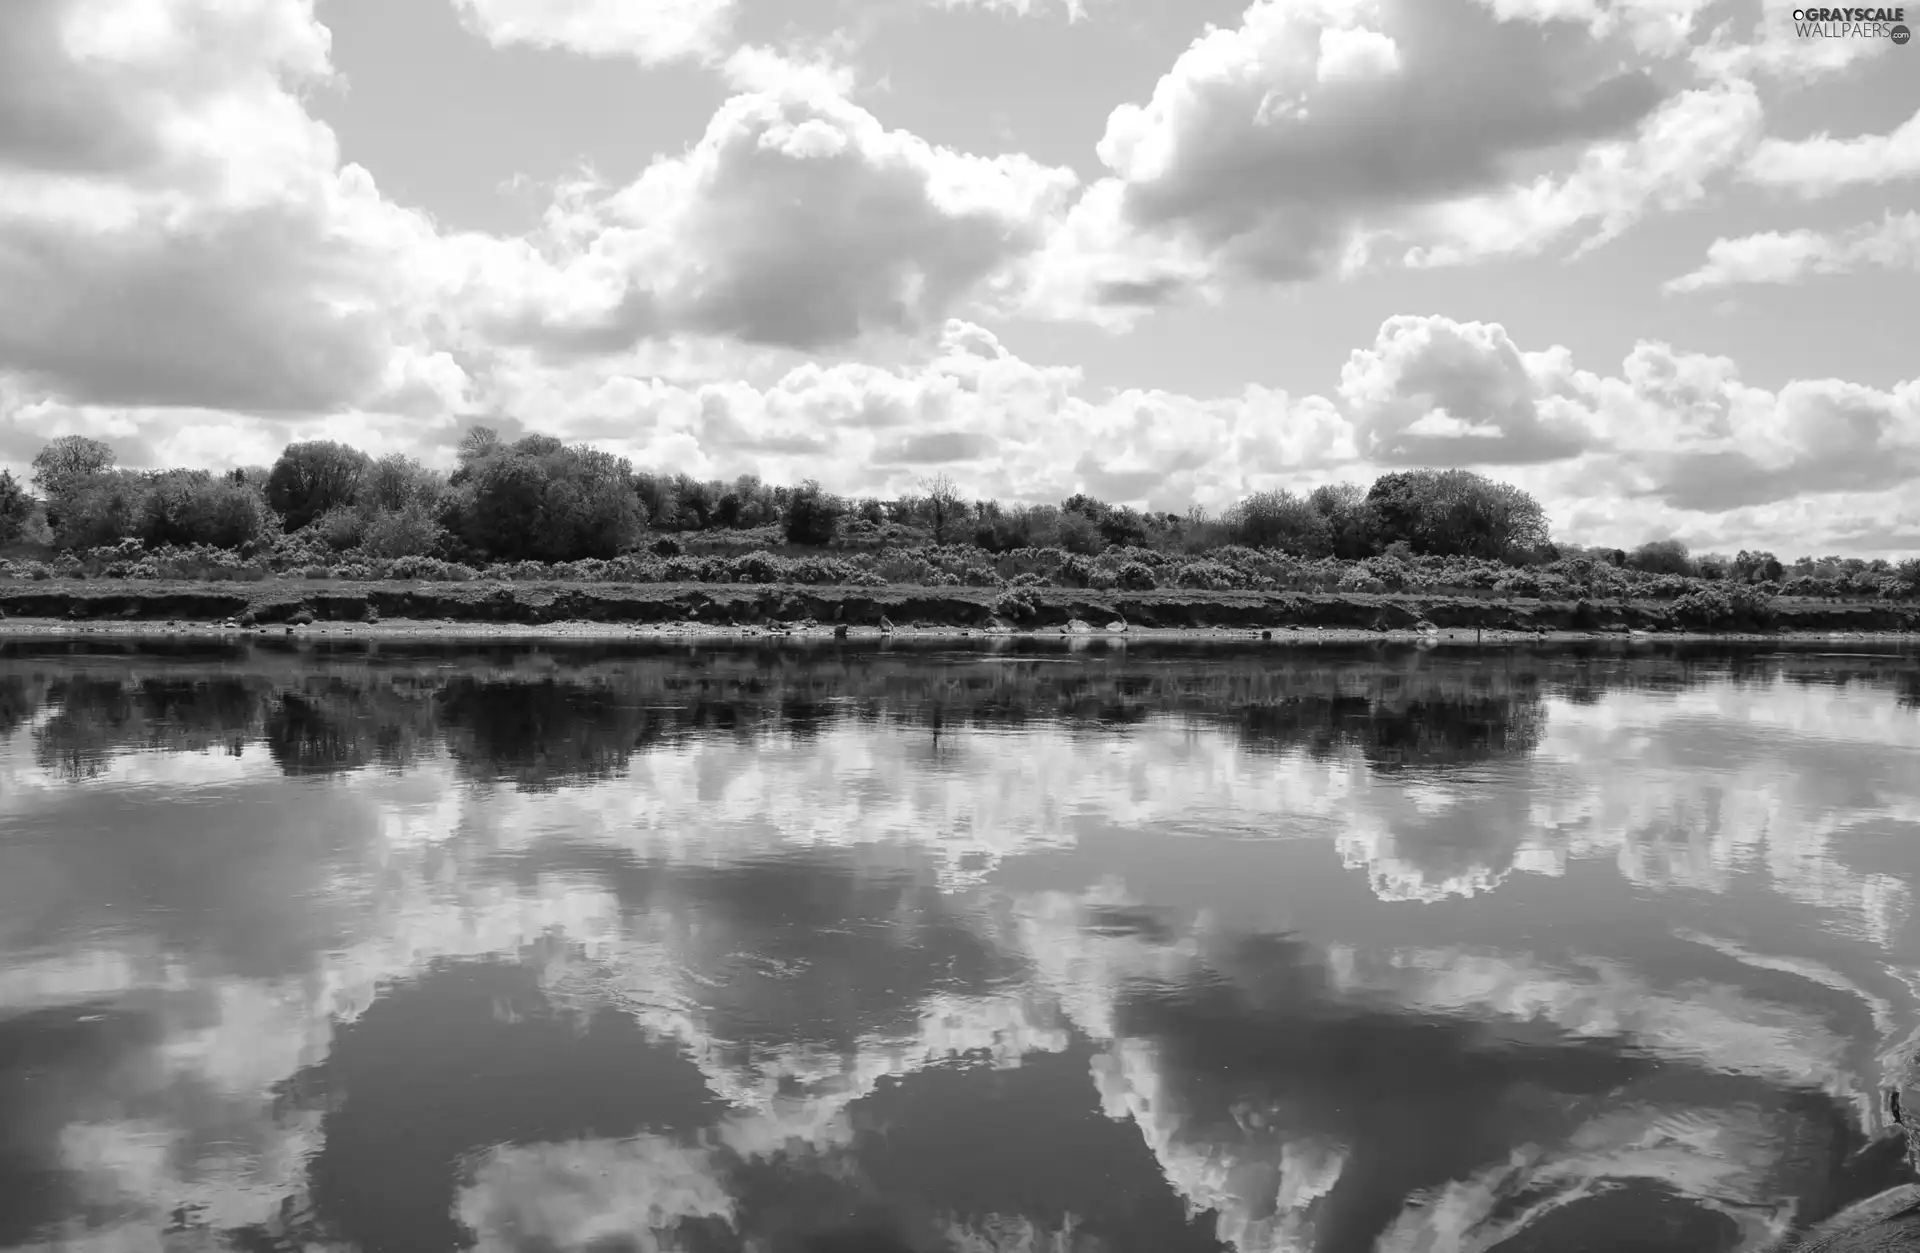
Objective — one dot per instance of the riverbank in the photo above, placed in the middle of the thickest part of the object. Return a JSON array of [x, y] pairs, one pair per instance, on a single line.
[[397, 609]]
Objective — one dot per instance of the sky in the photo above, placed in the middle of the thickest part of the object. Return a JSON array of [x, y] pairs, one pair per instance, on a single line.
[[1656, 261]]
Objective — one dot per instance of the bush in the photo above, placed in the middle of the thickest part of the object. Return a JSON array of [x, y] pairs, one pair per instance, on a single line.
[[1213, 576], [1014, 605], [409, 531], [812, 516], [1135, 576]]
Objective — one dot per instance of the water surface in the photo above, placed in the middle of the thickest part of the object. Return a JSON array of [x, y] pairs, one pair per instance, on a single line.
[[1089, 949]]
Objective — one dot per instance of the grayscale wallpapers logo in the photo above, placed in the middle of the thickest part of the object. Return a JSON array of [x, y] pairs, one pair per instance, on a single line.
[[1852, 24]]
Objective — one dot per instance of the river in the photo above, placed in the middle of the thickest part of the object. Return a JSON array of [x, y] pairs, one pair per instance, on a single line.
[[1049, 946]]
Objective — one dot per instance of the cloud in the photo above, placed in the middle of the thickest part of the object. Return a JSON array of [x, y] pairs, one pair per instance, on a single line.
[[174, 228], [1436, 392], [649, 31], [1278, 149], [797, 220], [1893, 243], [1760, 40], [1821, 165], [1665, 166]]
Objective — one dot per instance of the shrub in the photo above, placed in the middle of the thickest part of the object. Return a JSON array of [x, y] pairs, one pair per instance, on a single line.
[[1135, 576], [1014, 605], [1213, 576], [409, 531], [812, 515]]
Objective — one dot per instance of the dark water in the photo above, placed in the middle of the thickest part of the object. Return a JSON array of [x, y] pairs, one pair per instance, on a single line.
[[625, 949]]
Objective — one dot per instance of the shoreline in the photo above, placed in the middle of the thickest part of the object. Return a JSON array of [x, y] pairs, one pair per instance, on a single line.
[[536, 611], [454, 631]]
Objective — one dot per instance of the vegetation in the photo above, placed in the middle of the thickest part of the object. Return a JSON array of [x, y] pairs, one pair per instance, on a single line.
[[540, 510]]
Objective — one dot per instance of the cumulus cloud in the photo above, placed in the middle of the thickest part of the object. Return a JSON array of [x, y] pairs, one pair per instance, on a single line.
[[1436, 392], [1666, 165], [1821, 164], [796, 220], [649, 31], [1893, 243], [1294, 143], [174, 228]]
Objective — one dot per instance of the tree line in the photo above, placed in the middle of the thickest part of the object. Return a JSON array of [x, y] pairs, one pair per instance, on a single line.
[[538, 499]]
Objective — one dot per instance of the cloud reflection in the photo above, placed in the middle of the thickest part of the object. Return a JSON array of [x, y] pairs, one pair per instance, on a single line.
[[820, 890]]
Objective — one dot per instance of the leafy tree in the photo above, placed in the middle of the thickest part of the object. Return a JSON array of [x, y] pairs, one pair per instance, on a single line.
[[1454, 513], [102, 509], [1280, 520], [188, 507], [412, 530], [1757, 567], [312, 477], [16, 508], [479, 443], [1123, 526], [60, 467], [813, 516], [396, 481], [944, 504], [539, 500], [1661, 556], [1343, 505]]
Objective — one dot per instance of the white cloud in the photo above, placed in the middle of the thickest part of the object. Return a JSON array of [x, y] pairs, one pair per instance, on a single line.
[[1666, 165], [649, 31], [174, 228], [1275, 150], [796, 220], [1436, 392], [1762, 40], [1821, 165], [1893, 243]]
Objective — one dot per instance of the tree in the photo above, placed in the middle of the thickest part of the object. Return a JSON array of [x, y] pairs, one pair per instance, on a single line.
[[1343, 505], [16, 507], [944, 504], [311, 478], [479, 443], [1661, 556], [1757, 567], [1279, 520], [67, 462], [1454, 513], [102, 509], [535, 501], [188, 507], [396, 481], [813, 516]]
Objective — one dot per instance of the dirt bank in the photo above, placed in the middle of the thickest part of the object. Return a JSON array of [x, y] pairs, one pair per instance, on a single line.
[[546, 608]]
